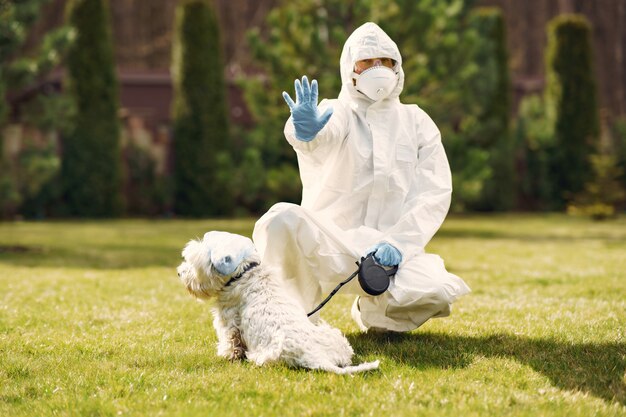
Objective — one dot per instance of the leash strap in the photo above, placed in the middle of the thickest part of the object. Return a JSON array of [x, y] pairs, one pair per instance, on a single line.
[[333, 292]]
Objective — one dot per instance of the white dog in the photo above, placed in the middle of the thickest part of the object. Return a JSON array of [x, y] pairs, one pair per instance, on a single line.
[[254, 318]]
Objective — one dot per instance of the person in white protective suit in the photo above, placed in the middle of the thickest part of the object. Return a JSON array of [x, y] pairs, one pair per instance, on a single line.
[[375, 179]]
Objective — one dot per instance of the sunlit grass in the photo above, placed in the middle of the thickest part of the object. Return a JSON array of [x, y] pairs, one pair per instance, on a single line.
[[93, 322]]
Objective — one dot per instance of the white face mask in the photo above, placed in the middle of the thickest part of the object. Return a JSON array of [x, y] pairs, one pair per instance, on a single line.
[[376, 82]]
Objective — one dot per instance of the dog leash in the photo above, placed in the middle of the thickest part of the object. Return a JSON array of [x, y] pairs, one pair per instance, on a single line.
[[373, 278], [333, 292]]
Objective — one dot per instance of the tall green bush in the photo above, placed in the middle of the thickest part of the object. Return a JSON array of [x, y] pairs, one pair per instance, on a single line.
[[571, 101], [492, 92], [201, 132], [91, 163]]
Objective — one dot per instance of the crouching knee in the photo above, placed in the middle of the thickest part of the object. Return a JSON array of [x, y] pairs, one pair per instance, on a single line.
[[439, 302], [282, 219]]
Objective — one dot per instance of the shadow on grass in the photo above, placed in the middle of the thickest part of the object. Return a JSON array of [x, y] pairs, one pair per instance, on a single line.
[[92, 257], [595, 368]]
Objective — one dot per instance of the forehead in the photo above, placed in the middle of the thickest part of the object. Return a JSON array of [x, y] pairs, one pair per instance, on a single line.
[[378, 57]]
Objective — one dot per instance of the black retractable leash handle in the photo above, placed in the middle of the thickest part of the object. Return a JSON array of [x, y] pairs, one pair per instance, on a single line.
[[373, 278]]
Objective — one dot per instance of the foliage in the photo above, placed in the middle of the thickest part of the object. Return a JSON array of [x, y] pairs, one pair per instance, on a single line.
[[249, 183], [146, 193], [468, 181], [440, 61], [602, 195], [10, 198], [492, 88], [492, 92], [49, 112], [283, 183], [618, 131], [556, 135], [4, 106], [94, 322], [19, 66], [24, 180], [91, 166], [27, 176], [571, 101], [37, 167], [534, 147], [201, 131]]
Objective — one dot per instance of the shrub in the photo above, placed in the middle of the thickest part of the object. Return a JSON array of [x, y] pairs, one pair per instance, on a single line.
[[619, 140], [140, 182], [91, 164], [199, 111], [571, 101], [600, 196], [533, 139], [10, 197], [283, 184], [493, 97], [26, 181], [251, 181]]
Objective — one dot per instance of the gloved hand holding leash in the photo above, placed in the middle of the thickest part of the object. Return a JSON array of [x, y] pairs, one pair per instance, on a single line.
[[374, 278], [386, 254]]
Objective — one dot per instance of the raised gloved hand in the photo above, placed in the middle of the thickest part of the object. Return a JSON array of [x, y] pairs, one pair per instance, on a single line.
[[386, 254], [306, 118]]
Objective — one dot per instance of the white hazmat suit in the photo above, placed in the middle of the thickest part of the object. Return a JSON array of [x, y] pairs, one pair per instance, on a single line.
[[377, 172]]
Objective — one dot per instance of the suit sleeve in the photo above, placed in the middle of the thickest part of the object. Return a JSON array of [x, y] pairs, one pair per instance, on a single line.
[[335, 130], [428, 201]]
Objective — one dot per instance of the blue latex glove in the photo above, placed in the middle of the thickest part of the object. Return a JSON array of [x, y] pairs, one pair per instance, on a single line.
[[306, 118], [386, 254]]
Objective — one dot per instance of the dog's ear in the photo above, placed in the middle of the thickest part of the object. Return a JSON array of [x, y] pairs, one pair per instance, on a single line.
[[230, 253], [192, 250], [224, 264]]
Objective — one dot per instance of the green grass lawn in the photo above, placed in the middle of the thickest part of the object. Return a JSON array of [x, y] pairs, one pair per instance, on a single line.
[[93, 322]]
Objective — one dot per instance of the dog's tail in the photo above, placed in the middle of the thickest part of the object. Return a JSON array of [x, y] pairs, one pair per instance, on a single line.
[[367, 366]]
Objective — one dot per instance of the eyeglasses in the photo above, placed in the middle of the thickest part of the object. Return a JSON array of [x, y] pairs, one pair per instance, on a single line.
[[364, 64]]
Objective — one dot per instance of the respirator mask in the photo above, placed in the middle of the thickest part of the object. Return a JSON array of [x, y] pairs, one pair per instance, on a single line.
[[376, 82], [374, 279]]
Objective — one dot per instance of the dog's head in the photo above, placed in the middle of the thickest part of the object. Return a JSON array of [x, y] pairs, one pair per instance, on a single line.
[[209, 263]]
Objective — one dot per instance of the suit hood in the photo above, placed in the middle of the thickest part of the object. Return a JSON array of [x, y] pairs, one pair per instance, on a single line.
[[368, 41]]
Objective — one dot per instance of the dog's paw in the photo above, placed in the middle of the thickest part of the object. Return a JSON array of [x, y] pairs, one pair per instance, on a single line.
[[233, 348], [238, 353], [232, 353]]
